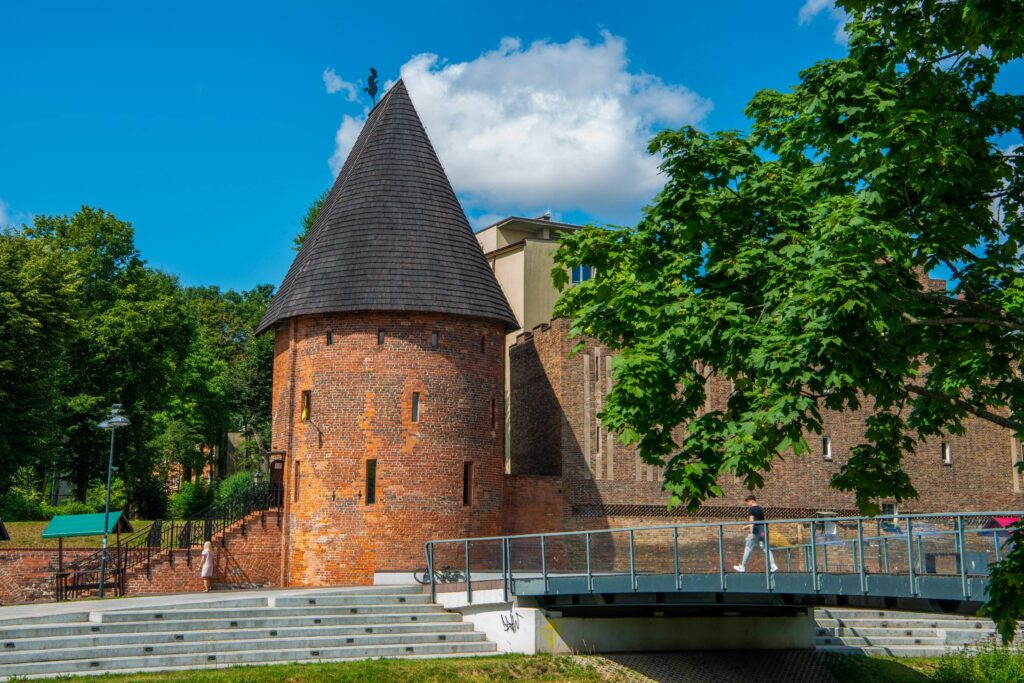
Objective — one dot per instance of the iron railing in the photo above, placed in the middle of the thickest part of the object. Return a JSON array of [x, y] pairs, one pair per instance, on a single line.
[[841, 555], [164, 537]]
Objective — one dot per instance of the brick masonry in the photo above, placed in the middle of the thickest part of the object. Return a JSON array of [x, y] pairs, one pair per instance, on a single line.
[[248, 558], [26, 574], [361, 409], [556, 396]]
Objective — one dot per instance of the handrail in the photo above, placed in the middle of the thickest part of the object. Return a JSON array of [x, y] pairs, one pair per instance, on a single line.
[[170, 535], [801, 520], [948, 524]]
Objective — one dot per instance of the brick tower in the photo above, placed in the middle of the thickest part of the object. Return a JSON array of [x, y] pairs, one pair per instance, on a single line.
[[388, 397]]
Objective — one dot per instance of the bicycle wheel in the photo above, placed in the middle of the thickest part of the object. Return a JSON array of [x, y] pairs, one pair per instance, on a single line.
[[422, 576]]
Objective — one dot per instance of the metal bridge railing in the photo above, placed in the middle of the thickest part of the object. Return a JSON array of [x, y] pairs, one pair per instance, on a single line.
[[813, 555]]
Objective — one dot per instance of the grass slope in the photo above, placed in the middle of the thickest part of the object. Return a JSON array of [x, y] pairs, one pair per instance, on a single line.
[[29, 535], [457, 670]]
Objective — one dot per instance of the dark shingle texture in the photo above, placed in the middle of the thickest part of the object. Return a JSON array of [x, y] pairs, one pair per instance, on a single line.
[[391, 235]]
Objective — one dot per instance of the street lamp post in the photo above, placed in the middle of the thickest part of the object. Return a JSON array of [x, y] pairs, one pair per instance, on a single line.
[[113, 423]]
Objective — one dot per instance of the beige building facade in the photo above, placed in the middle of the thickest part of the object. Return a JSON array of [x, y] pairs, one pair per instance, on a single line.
[[521, 253]]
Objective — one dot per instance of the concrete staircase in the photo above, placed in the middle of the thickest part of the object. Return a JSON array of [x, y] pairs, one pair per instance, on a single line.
[[297, 626], [898, 634]]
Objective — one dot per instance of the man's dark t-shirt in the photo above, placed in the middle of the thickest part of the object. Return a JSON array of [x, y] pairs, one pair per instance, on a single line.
[[756, 513]]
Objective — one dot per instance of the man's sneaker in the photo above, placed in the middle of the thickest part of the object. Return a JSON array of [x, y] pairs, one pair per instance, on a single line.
[[775, 568], [739, 568]]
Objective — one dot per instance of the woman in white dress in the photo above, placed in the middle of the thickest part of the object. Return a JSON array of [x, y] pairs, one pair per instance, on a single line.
[[207, 570]]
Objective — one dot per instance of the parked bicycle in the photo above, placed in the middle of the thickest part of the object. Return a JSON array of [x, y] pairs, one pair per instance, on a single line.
[[445, 574]]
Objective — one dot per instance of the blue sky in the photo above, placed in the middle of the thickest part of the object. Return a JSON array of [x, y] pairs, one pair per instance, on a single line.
[[210, 126]]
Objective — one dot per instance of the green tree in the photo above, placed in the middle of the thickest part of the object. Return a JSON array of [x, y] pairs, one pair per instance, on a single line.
[[790, 261], [37, 299], [307, 221], [131, 336]]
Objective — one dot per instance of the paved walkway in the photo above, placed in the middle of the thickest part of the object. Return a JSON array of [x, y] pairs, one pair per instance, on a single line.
[[43, 609]]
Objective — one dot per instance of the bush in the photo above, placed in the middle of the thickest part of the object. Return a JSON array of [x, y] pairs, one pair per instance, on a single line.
[[987, 665], [236, 483], [96, 496], [71, 507], [19, 505], [192, 498]]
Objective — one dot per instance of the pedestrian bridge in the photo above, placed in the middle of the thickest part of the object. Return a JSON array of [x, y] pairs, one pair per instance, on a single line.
[[923, 562]]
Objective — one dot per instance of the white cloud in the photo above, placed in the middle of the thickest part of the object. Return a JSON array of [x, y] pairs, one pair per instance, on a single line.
[[812, 8], [346, 136], [561, 126], [334, 83]]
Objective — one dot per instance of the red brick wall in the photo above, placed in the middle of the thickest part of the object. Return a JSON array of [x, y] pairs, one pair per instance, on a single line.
[[26, 574], [249, 560], [533, 504], [538, 371], [361, 405], [605, 484]]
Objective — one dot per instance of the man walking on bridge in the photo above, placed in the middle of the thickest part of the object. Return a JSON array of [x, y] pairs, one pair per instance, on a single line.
[[757, 534]]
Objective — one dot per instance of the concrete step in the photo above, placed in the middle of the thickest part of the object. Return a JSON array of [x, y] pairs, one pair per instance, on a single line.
[[894, 651], [255, 613], [901, 624], [222, 647], [883, 641], [156, 637], [949, 637], [226, 623], [898, 616], [348, 600], [255, 656]]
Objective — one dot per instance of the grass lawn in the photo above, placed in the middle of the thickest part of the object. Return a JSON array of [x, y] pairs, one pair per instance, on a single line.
[[468, 669], [857, 669], [29, 535], [985, 666]]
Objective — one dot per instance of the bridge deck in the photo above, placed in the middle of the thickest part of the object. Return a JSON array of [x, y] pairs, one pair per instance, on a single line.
[[940, 561]]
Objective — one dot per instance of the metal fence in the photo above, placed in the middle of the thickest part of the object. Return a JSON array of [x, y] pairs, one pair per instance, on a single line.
[[163, 538], [899, 555]]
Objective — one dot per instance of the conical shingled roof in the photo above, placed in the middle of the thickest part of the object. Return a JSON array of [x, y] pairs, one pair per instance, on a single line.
[[391, 235]]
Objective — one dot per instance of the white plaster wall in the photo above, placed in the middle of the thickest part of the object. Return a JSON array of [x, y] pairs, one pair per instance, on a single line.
[[528, 630]]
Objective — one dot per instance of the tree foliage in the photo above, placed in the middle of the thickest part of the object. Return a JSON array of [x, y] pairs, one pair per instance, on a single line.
[[792, 261], [85, 323], [37, 314], [312, 211]]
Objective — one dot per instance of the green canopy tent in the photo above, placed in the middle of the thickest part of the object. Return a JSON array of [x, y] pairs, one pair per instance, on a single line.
[[66, 526]]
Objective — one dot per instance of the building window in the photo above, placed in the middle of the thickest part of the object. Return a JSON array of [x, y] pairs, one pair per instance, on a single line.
[[371, 482], [415, 406], [295, 483], [947, 455], [435, 341], [380, 337], [330, 337], [483, 343], [890, 510], [307, 405], [581, 274], [826, 448], [467, 483]]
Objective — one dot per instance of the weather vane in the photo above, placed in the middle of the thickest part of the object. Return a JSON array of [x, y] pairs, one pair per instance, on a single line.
[[371, 85]]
